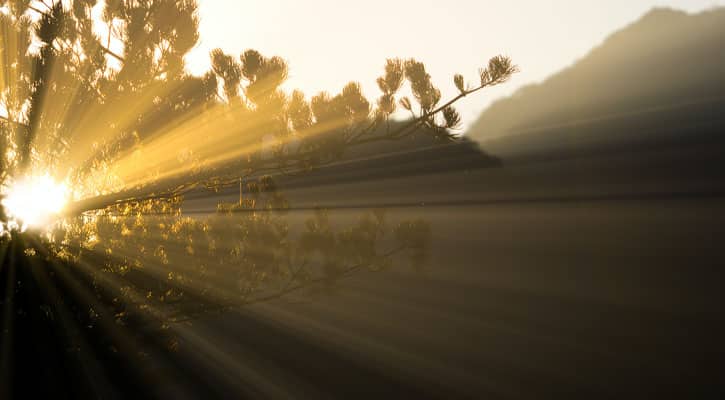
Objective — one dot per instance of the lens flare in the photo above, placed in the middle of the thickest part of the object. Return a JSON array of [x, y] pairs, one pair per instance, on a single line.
[[35, 202]]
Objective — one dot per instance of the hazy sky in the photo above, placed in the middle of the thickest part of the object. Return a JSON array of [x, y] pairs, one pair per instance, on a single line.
[[328, 42]]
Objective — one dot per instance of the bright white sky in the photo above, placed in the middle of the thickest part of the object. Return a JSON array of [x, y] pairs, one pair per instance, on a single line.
[[330, 42]]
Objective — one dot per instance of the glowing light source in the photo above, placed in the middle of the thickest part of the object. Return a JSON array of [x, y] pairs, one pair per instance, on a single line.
[[35, 201]]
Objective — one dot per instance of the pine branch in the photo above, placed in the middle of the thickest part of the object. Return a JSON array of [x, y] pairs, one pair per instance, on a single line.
[[102, 47], [407, 128], [290, 288], [12, 122]]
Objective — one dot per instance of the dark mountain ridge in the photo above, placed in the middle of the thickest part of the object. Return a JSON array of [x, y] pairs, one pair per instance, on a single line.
[[659, 80]]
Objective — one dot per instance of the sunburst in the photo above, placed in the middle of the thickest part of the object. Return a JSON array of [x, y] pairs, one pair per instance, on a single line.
[[34, 202]]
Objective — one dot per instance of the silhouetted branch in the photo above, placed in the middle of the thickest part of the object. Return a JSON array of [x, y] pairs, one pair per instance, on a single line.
[[12, 122], [102, 47], [291, 288]]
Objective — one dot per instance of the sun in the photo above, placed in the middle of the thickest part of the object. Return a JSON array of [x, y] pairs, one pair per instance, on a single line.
[[34, 202]]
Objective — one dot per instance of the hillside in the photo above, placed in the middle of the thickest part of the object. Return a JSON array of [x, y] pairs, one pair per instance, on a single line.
[[654, 80]]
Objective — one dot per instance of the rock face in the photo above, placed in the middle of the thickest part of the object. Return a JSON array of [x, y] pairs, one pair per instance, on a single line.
[[660, 80]]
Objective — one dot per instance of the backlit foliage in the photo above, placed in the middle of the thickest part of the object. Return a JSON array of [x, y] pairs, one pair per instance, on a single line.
[[105, 105]]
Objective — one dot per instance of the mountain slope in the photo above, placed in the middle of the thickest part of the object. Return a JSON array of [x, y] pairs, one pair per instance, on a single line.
[[665, 72]]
